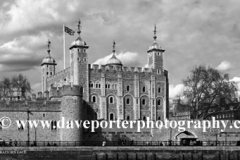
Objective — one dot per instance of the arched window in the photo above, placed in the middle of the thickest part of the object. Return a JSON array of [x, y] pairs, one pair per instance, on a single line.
[[144, 118], [94, 99], [128, 101], [111, 116], [159, 89], [128, 88], [144, 89], [158, 102], [111, 100], [128, 118], [143, 102], [91, 84]]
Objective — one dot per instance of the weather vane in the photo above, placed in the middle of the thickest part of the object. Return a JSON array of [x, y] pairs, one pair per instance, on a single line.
[[48, 44], [114, 46], [79, 27], [155, 31]]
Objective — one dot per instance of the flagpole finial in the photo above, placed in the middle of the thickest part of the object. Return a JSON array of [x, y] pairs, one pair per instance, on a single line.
[[114, 43], [48, 45], [155, 32], [79, 27]]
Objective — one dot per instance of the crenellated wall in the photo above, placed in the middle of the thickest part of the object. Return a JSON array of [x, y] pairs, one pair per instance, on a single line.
[[59, 79]]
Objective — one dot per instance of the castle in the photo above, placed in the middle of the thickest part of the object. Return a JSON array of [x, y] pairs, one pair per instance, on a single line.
[[86, 91], [113, 90]]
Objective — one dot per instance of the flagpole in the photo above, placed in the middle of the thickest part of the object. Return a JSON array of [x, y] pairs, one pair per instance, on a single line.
[[64, 54]]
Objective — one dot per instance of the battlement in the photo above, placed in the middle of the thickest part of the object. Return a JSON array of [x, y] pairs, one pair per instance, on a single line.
[[9, 105], [66, 90], [60, 74], [103, 68]]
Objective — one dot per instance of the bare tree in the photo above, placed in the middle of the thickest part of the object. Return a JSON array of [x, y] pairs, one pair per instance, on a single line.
[[204, 87], [6, 87], [16, 84]]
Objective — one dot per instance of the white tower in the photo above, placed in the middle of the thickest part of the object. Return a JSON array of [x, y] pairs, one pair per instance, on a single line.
[[79, 64]]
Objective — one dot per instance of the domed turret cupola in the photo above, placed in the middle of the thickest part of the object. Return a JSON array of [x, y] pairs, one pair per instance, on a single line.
[[48, 68], [155, 46], [114, 60], [79, 42], [48, 59], [155, 55]]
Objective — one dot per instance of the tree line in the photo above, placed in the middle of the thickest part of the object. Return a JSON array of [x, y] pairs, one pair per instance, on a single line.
[[15, 86]]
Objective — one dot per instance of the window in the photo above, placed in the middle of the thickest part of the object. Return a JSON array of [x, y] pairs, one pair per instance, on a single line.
[[158, 102], [91, 85], [53, 125], [0, 125], [94, 99], [159, 118], [159, 89], [128, 118], [128, 101], [144, 118], [128, 88], [47, 73], [111, 101], [111, 115], [144, 89], [143, 102], [44, 115]]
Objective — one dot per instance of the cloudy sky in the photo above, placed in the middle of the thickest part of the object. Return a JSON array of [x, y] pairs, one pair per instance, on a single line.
[[192, 32]]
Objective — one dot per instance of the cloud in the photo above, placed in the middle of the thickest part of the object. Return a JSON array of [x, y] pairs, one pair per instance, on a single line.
[[223, 66], [36, 87], [23, 53], [176, 90], [127, 59]]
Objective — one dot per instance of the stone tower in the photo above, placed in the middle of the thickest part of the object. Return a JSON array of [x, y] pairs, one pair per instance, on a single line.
[[79, 64], [48, 68], [155, 55], [72, 111]]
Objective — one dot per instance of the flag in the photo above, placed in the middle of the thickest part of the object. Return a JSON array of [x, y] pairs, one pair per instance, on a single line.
[[69, 31]]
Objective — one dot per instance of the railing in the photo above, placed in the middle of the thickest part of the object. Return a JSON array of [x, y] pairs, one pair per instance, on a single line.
[[115, 143]]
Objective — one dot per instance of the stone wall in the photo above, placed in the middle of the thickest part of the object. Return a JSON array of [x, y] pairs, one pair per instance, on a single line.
[[123, 153]]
